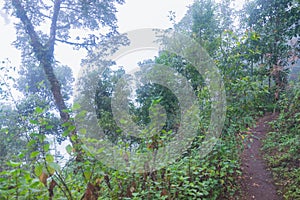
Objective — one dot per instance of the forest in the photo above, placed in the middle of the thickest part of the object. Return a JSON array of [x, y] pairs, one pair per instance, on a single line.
[[187, 132]]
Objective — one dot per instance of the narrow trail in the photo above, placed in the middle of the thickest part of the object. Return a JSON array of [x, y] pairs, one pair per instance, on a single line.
[[257, 182]]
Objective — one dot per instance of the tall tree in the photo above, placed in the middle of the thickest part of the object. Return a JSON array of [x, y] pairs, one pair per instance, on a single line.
[[62, 16]]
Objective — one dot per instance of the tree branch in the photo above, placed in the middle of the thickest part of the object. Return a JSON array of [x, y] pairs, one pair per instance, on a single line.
[[63, 27], [53, 27], [44, 15], [75, 43], [34, 38]]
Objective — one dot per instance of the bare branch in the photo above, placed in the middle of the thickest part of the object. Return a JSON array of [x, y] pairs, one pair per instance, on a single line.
[[53, 27], [63, 27], [44, 15], [75, 43]]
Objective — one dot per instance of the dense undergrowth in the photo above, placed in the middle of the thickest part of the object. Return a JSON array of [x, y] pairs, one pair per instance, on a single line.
[[191, 177], [282, 145]]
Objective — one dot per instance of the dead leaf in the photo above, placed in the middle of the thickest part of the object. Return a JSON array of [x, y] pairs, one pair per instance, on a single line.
[[91, 192], [164, 192], [43, 178]]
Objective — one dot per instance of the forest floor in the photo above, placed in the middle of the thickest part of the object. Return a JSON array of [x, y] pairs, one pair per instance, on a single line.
[[257, 182]]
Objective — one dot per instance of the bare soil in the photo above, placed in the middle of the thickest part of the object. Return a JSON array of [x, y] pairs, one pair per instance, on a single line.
[[257, 182]]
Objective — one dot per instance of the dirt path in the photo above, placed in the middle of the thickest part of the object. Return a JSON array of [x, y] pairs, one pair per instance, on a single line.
[[257, 182]]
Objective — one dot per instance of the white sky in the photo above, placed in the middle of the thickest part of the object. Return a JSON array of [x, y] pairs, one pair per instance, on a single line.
[[136, 14]]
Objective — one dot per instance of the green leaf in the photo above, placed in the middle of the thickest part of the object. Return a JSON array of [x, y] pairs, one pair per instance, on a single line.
[[49, 127], [66, 111], [66, 124], [39, 110], [71, 128], [21, 155], [38, 170], [69, 149], [27, 177], [33, 121], [35, 183], [31, 143], [46, 147], [34, 154], [123, 121], [76, 106], [14, 164], [73, 137], [66, 133], [87, 174], [49, 158]]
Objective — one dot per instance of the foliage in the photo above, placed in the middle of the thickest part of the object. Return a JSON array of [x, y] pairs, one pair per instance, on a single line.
[[275, 23], [282, 144]]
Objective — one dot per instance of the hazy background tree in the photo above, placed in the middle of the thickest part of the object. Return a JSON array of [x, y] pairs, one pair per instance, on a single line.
[[275, 24]]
